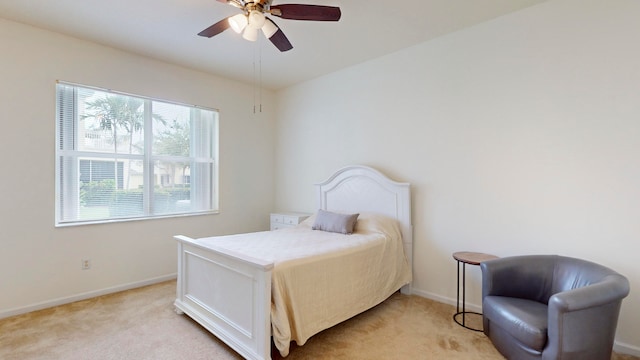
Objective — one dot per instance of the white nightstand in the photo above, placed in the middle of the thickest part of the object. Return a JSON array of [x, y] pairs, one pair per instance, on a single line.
[[282, 220]]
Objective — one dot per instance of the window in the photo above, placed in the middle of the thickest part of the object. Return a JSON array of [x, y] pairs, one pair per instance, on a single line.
[[121, 157]]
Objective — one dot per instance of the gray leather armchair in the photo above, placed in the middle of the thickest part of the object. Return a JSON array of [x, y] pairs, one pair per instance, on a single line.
[[551, 307]]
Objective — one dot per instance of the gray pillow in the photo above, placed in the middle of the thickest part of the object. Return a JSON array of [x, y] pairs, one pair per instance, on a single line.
[[332, 222]]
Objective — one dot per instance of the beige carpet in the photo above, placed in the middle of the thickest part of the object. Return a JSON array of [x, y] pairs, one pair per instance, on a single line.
[[141, 324]]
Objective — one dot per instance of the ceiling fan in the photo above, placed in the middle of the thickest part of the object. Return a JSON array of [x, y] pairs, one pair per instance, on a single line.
[[253, 18]]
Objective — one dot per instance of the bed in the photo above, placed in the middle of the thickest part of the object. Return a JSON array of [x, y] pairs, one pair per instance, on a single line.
[[245, 290]]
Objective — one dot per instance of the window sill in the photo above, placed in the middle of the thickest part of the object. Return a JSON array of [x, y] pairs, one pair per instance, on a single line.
[[120, 220]]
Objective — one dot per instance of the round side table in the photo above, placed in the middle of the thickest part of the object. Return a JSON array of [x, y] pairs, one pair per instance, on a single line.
[[463, 258]]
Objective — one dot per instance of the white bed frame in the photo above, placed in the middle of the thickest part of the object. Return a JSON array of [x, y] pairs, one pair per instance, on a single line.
[[229, 294]]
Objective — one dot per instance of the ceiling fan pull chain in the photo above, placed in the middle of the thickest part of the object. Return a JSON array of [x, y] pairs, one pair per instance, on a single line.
[[254, 79], [257, 76], [260, 74]]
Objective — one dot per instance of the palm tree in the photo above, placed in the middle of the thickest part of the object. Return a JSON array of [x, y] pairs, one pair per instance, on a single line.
[[116, 112]]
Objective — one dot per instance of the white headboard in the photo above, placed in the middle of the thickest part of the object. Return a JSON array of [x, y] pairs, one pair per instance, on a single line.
[[363, 189]]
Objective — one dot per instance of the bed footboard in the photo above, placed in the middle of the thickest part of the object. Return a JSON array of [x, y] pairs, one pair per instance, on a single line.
[[228, 294]]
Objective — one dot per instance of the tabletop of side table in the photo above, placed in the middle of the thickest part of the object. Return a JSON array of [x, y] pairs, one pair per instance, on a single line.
[[473, 258]]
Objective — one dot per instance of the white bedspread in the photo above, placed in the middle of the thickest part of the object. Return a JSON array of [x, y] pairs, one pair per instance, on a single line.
[[320, 278]]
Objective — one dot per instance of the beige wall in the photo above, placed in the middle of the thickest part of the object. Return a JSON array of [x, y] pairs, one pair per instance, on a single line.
[[40, 264], [519, 136]]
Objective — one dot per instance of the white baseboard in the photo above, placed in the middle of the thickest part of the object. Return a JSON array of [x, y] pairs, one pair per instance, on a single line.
[[84, 296], [628, 349], [618, 346], [445, 300]]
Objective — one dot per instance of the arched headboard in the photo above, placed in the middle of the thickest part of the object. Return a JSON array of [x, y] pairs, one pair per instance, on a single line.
[[360, 188]]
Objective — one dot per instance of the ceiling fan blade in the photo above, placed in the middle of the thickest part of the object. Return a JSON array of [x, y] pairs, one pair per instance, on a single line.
[[306, 12], [215, 29], [279, 39]]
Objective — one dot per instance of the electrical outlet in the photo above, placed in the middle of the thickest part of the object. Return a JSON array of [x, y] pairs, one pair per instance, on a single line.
[[86, 264]]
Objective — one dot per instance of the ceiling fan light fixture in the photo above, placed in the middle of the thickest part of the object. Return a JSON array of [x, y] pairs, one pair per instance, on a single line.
[[256, 19], [269, 28], [250, 34], [238, 22]]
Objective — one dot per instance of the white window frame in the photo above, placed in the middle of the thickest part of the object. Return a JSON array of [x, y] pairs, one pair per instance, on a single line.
[[203, 195]]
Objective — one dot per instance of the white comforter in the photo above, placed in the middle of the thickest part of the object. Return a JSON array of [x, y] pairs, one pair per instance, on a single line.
[[320, 278]]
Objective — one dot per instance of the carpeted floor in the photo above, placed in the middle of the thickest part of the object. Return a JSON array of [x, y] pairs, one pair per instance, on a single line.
[[140, 324]]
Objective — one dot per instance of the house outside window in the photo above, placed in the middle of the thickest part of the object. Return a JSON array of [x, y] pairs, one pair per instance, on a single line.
[[123, 157]]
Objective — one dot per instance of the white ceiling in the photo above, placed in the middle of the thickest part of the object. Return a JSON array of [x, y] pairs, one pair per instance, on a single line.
[[167, 30]]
